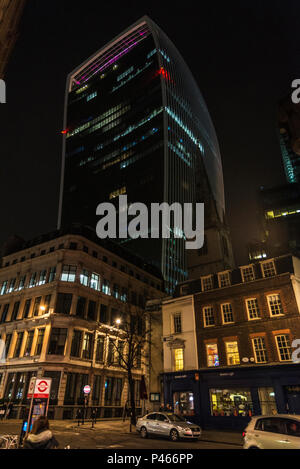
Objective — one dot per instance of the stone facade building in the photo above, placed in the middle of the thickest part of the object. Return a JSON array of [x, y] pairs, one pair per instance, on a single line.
[[61, 298]]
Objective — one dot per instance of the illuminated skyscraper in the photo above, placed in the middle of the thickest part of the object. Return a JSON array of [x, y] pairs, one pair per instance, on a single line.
[[135, 123]]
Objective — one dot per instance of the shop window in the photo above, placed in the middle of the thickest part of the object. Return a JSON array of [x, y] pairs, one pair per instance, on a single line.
[[212, 355], [183, 403], [252, 308], [232, 353], [178, 359], [208, 316], [260, 351], [267, 401], [231, 402]]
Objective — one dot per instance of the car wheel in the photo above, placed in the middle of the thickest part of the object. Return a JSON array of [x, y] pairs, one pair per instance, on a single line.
[[253, 447], [144, 433], [174, 435]]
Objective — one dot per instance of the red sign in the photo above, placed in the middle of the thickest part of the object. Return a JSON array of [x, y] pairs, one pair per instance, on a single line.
[[40, 388], [87, 389]]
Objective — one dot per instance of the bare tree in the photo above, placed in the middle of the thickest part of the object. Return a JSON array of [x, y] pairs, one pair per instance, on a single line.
[[129, 348]]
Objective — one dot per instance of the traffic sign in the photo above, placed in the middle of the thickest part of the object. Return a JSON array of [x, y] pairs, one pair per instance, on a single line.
[[40, 387], [87, 389]]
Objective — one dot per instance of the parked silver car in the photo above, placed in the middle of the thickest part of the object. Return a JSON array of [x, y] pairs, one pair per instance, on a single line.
[[273, 432], [167, 424]]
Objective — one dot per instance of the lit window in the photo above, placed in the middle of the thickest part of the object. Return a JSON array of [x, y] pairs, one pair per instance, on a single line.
[[247, 273], [84, 277], [178, 359], [212, 355], [207, 283], [68, 273], [224, 279], [227, 313], [253, 308], [259, 347], [106, 287], [32, 281], [275, 305], [42, 279], [11, 285], [232, 353], [177, 323], [268, 269], [208, 316], [284, 347], [4, 287], [95, 282], [91, 96]]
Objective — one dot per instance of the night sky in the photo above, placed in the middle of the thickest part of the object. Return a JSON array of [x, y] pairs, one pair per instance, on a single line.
[[243, 54]]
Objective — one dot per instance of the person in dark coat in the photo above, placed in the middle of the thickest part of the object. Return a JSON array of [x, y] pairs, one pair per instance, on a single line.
[[40, 437]]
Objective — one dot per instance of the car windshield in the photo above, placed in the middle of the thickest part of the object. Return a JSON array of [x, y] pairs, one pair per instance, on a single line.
[[175, 418]]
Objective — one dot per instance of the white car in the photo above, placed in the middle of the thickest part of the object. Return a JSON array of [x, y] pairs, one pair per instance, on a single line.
[[280, 431], [167, 424]]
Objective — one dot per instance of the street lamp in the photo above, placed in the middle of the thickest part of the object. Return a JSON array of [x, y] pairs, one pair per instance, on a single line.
[[118, 321]]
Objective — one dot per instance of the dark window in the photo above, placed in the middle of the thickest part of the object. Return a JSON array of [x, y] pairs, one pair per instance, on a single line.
[[15, 261], [52, 249], [63, 303], [39, 342], [55, 375], [76, 343], [43, 252], [36, 307], [80, 308], [47, 304], [103, 314], [61, 246], [104, 259], [7, 343], [114, 264], [57, 341], [32, 256], [95, 254], [92, 310], [96, 396], [4, 312], [133, 298], [161, 417], [15, 311], [28, 343], [292, 427], [26, 308], [87, 346], [52, 274], [85, 249], [22, 259], [152, 417], [111, 355], [18, 344], [100, 349], [73, 246]]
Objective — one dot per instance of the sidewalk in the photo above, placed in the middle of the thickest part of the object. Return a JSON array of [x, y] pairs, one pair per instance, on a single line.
[[118, 426]]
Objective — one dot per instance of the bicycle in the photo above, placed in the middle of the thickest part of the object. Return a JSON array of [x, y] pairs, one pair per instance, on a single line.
[[9, 442]]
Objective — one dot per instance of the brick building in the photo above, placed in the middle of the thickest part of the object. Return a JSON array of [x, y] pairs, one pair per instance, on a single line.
[[242, 324], [60, 297]]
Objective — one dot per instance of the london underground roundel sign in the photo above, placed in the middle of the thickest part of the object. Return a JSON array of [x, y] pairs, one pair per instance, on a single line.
[[87, 389]]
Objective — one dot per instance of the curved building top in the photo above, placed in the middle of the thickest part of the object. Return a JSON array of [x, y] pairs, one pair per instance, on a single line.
[[182, 100]]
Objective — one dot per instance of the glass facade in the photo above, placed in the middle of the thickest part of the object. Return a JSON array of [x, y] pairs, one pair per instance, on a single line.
[[136, 124]]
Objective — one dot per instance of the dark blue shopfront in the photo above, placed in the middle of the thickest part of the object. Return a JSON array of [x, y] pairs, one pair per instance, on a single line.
[[228, 398]]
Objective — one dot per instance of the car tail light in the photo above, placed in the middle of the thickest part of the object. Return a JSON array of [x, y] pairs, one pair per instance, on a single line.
[[244, 434]]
